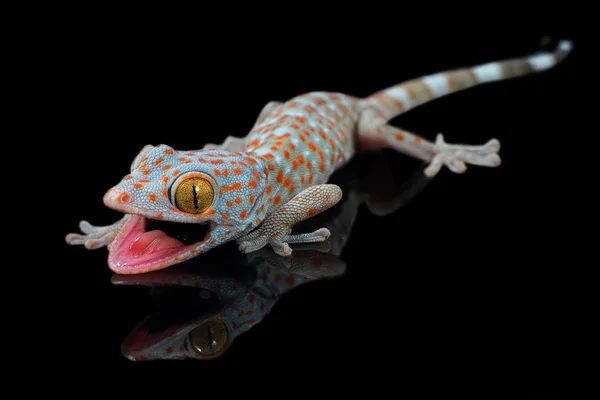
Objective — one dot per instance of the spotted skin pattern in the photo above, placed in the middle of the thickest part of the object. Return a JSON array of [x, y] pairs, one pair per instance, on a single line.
[[277, 175]]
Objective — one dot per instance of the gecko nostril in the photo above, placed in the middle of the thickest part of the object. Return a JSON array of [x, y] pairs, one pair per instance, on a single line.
[[114, 197], [123, 198]]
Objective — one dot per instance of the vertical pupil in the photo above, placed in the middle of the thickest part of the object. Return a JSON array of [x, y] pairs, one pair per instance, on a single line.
[[195, 194]]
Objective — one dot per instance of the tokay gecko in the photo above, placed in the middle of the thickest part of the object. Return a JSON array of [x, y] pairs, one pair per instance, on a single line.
[[254, 189]]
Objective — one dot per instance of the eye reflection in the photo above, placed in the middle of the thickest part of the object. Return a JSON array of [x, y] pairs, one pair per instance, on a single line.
[[209, 339]]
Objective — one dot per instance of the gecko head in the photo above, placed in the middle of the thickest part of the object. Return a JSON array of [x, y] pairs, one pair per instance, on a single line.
[[181, 204]]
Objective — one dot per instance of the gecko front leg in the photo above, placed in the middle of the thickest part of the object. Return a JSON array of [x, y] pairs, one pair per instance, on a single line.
[[95, 237], [276, 229], [234, 144]]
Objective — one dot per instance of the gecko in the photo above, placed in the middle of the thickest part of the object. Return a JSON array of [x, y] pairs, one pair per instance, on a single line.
[[254, 189]]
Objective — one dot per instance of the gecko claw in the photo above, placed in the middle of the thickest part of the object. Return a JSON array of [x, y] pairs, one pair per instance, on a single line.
[[456, 157], [95, 237]]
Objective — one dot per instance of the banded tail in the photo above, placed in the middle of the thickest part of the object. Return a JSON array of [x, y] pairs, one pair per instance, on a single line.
[[400, 98]]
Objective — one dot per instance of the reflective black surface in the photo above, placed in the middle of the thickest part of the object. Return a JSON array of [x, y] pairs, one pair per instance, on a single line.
[[456, 282]]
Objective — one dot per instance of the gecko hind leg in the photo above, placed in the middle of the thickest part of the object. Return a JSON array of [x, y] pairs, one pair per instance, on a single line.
[[276, 229], [375, 133]]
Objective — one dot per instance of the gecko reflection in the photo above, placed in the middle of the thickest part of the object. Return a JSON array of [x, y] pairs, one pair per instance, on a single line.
[[201, 310]]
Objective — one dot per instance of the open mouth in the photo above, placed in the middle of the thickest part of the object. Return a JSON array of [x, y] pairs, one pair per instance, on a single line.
[[145, 245]]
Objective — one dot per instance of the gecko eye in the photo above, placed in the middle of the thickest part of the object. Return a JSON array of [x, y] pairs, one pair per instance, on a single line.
[[193, 193]]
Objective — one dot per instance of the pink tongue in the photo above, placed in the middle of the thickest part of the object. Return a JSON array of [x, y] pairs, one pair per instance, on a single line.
[[152, 242]]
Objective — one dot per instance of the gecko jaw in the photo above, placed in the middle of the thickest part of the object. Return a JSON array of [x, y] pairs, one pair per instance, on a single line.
[[136, 250]]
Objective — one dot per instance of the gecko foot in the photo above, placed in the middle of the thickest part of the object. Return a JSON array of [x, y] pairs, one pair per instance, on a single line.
[[279, 241], [95, 237], [455, 156], [276, 230]]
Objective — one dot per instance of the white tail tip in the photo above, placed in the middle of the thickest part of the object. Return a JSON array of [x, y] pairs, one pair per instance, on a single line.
[[565, 46]]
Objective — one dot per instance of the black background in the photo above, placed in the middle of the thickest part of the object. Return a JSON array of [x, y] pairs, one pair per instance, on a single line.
[[458, 287]]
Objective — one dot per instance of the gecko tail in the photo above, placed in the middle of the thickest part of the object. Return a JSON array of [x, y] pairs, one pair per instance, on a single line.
[[407, 95]]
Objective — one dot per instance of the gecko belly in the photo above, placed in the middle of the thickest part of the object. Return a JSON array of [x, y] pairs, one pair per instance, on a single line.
[[136, 248]]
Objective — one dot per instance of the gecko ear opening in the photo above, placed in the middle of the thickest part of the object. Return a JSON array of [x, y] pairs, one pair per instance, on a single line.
[[138, 159]]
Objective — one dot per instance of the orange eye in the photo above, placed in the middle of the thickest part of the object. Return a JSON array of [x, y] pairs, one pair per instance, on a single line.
[[194, 193]]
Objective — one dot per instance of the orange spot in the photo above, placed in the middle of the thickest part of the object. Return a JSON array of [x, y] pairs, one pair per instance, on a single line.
[[128, 177], [168, 151], [287, 182], [138, 186], [144, 181], [268, 189], [231, 188], [238, 200], [176, 172], [215, 162], [124, 198], [399, 137], [243, 214], [271, 167], [294, 126], [301, 159], [417, 139], [312, 146], [252, 183], [237, 171], [229, 204], [310, 180], [295, 164], [277, 199], [165, 193], [165, 179], [286, 154], [300, 119], [202, 160], [302, 179], [291, 146], [255, 174], [309, 166], [166, 167], [280, 176], [146, 172], [152, 197], [160, 160], [225, 215], [225, 172], [311, 212], [251, 199], [243, 164], [211, 211], [322, 167], [159, 215], [322, 134], [217, 172]]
